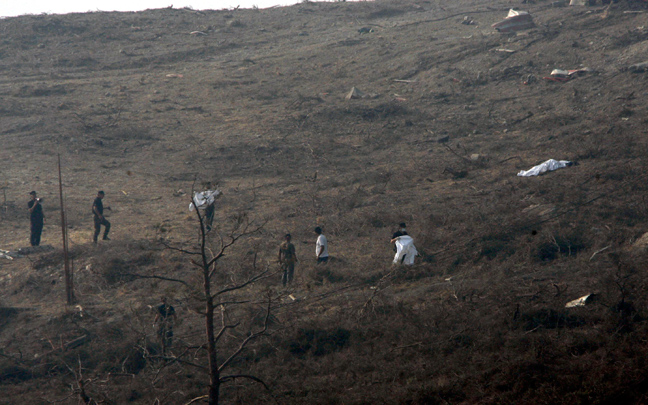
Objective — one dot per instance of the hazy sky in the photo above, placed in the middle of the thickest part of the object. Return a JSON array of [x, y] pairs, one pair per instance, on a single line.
[[9, 8]]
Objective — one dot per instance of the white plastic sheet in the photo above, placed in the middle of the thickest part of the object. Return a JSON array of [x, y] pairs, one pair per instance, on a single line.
[[580, 302], [405, 250], [202, 199], [516, 13], [544, 167]]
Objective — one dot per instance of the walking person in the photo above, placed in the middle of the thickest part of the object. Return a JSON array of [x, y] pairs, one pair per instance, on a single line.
[[36, 218], [321, 246], [99, 219], [287, 259]]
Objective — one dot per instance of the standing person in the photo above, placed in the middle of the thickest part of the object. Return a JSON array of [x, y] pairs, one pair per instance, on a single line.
[[209, 216], [287, 259], [166, 316], [99, 219], [36, 218], [321, 246]]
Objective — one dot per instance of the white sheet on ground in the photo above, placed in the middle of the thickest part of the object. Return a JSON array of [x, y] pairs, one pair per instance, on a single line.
[[544, 167], [405, 249], [202, 199]]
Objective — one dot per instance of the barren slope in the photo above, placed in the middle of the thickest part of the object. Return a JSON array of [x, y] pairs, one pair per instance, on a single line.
[[148, 105]]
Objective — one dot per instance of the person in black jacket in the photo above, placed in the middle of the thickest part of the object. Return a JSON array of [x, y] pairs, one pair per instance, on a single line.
[[36, 217], [99, 219]]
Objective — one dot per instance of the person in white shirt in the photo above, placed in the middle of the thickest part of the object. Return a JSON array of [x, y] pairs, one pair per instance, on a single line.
[[321, 247]]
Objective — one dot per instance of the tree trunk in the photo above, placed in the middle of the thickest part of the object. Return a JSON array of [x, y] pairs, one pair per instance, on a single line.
[[214, 375]]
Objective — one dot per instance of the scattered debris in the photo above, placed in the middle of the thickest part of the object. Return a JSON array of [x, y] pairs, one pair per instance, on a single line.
[[641, 243], [515, 21], [539, 210], [600, 251], [404, 81], [530, 79], [21, 252], [354, 94], [6, 254], [197, 33], [561, 75], [548, 166], [581, 302], [504, 50], [579, 2], [365, 30], [174, 75], [638, 67], [468, 21], [34, 249]]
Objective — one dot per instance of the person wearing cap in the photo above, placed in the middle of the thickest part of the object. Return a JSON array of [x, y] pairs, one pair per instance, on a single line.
[[36, 218], [287, 259], [321, 246], [99, 219]]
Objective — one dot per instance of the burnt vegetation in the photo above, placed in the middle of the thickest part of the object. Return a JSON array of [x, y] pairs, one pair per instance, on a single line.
[[150, 105]]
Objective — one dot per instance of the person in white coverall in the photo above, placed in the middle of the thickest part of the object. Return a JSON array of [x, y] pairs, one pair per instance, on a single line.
[[405, 250]]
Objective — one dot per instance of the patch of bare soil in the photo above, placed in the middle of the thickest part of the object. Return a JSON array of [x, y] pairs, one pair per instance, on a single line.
[[148, 106]]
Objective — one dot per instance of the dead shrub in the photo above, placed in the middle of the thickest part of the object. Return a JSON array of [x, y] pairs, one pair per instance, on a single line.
[[326, 273], [550, 319], [557, 246], [13, 374], [117, 269], [319, 342]]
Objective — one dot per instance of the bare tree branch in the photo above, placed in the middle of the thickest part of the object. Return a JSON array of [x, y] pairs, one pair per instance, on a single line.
[[193, 401], [243, 285], [175, 280], [249, 338], [251, 377], [177, 249]]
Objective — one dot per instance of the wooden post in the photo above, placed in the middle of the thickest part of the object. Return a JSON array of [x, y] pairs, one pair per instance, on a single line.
[[69, 289]]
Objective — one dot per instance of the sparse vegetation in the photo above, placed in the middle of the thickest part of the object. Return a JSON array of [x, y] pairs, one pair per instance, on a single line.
[[138, 103]]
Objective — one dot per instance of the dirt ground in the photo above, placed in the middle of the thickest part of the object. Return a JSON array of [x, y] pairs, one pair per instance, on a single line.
[[149, 106]]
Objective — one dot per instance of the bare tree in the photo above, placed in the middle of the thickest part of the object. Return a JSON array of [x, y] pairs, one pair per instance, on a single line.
[[205, 257]]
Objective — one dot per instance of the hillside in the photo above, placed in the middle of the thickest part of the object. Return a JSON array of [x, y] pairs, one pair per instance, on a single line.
[[149, 106]]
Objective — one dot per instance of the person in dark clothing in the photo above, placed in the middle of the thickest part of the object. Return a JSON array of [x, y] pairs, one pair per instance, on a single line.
[[99, 219], [165, 316], [36, 217], [209, 216], [402, 230], [287, 259]]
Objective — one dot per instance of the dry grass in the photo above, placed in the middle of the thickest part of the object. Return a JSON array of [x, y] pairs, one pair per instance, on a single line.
[[257, 106]]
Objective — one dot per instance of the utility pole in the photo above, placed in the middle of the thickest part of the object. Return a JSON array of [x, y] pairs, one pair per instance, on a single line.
[[69, 287]]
